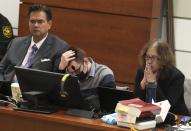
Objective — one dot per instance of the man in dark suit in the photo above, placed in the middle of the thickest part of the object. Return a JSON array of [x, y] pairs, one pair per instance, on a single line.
[[6, 34], [40, 50]]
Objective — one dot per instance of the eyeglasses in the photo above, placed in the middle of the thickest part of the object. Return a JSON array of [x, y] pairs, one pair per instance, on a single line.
[[152, 58], [77, 71]]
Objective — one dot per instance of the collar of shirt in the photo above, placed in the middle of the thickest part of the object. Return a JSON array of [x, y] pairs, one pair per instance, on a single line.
[[92, 70], [38, 44]]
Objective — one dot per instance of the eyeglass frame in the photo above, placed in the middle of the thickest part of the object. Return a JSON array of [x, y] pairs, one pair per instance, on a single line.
[[76, 71], [152, 58]]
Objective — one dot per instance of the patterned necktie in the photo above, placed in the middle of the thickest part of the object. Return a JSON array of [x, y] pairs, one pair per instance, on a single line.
[[31, 56], [29, 61]]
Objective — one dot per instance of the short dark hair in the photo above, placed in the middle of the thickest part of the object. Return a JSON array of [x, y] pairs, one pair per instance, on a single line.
[[80, 54], [40, 7]]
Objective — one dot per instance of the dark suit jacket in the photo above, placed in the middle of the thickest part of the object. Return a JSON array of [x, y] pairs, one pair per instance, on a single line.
[[170, 88], [47, 57]]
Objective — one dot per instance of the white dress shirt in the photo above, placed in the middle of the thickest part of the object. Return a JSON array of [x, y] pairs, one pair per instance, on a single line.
[[38, 44]]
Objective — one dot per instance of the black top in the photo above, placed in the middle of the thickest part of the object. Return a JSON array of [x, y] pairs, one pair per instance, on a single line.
[[169, 88], [6, 34]]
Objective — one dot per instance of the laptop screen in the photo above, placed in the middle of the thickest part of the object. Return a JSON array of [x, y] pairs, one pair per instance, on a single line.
[[109, 97], [37, 80], [32, 80]]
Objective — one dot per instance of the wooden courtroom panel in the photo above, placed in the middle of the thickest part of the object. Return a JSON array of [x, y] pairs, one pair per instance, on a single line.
[[108, 39], [139, 8], [111, 38], [155, 28]]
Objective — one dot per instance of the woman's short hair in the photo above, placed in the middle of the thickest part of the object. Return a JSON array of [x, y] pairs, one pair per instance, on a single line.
[[165, 54]]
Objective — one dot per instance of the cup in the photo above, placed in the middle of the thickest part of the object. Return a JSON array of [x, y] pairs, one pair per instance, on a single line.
[[16, 92]]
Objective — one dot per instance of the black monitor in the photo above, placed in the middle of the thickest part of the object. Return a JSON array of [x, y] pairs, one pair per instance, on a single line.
[[40, 89], [5, 89], [109, 98]]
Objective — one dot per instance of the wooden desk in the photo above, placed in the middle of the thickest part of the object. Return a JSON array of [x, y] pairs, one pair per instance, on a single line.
[[11, 120]]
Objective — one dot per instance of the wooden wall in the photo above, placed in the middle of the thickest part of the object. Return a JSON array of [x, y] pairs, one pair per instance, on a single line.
[[111, 31]]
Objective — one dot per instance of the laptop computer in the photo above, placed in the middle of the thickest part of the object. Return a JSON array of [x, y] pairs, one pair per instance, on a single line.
[[109, 98], [46, 86]]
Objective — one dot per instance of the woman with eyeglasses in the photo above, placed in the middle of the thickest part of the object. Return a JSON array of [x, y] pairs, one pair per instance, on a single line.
[[158, 79]]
